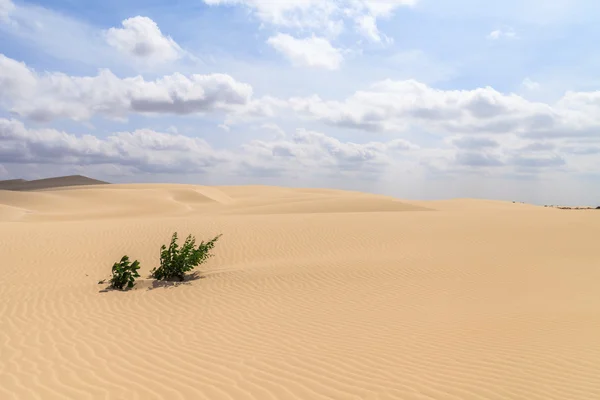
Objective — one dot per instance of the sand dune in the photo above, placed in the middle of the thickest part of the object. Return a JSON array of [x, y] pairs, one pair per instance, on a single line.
[[313, 294]]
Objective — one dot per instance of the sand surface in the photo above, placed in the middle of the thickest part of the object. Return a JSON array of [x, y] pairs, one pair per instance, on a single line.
[[312, 294]]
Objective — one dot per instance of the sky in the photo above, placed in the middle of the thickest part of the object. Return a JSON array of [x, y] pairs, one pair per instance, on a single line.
[[418, 99]]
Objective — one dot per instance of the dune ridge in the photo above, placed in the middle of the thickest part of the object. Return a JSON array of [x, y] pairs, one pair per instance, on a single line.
[[313, 294]]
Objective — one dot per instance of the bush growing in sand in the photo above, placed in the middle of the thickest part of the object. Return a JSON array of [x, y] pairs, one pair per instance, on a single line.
[[124, 273], [175, 261]]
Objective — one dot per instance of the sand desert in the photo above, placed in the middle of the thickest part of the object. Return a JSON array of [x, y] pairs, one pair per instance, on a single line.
[[312, 294]]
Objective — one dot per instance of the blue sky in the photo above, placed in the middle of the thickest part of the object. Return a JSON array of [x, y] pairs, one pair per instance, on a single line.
[[412, 98]]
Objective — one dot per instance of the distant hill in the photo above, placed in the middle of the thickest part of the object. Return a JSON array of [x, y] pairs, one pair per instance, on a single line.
[[49, 183], [12, 181]]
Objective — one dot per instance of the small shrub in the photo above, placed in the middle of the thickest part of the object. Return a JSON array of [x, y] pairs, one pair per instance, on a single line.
[[124, 273], [176, 261]]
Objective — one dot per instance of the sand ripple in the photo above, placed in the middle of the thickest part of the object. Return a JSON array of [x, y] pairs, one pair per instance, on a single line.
[[314, 294]]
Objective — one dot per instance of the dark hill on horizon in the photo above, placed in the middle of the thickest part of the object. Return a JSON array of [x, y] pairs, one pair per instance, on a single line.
[[49, 183]]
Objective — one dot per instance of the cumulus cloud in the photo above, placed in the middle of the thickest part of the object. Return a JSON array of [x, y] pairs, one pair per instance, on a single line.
[[143, 149], [278, 133], [325, 15], [366, 12], [308, 150], [474, 143], [538, 146], [367, 26], [538, 161], [315, 52], [477, 159], [388, 105], [141, 38], [137, 43], [581, 150], [146, 150], [44, 97], [510, 153], [588, 101], [398, 106], [305, 154]]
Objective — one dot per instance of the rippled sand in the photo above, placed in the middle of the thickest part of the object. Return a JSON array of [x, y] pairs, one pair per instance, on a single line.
[[312, 294]]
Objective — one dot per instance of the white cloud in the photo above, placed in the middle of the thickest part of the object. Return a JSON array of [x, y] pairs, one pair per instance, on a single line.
[[508, 151], [495, 34], [399, 106], [144, 149], [473, 143], [307, 157], [289, 13], [367, 26], [136, 45], [589, 101], [307, 152], [312, 51], [310, 152], [507, 33], [530, 85], [55, 95], [385, 8], [325, 15], [141, 38], [394, 106], [366, 12], [276, 129], [263, 107]]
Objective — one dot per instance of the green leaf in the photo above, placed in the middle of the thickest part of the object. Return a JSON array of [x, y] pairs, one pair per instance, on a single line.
[[176, 261], [124, 273]]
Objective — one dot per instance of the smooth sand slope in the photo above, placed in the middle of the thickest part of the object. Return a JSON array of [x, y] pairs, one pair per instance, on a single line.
[[313, 294]]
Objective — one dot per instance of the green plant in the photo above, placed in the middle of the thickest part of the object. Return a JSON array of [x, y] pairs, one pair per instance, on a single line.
[[175, 261], [124, 273]]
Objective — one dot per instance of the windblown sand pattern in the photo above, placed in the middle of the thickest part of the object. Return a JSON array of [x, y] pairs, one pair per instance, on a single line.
[[312, 294]]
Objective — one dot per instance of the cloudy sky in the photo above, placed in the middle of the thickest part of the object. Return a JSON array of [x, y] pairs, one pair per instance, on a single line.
[[421, 99]]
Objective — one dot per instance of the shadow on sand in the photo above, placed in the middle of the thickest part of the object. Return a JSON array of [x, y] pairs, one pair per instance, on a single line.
[[151, 284], [187, 280]]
